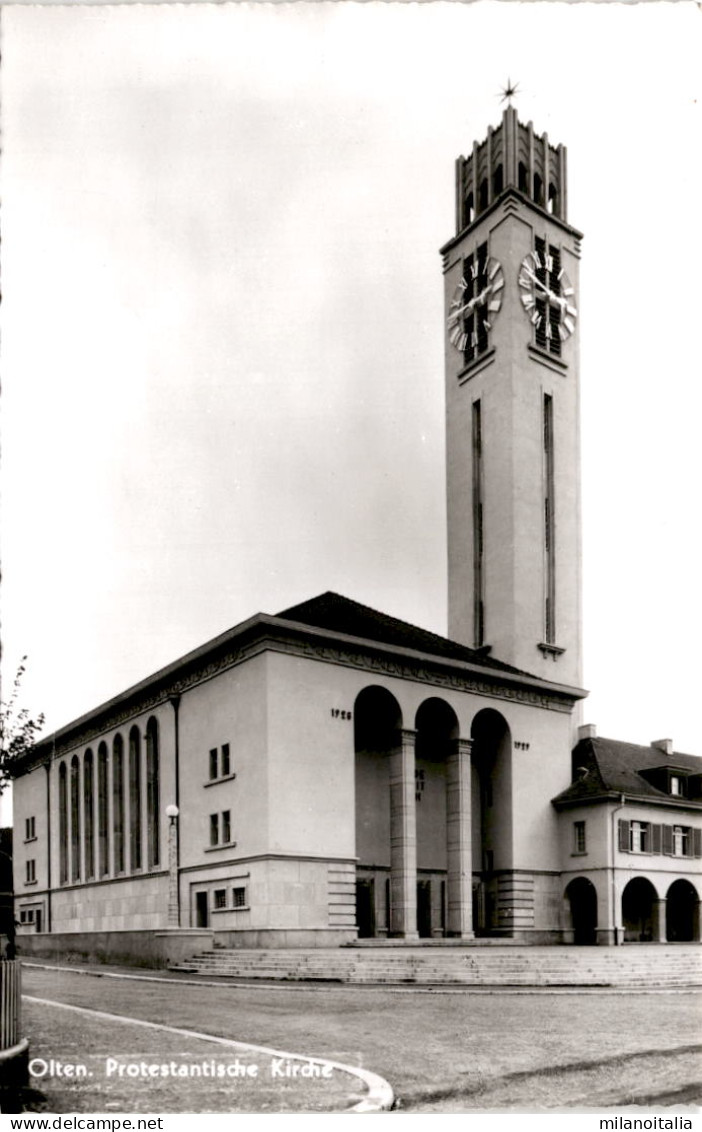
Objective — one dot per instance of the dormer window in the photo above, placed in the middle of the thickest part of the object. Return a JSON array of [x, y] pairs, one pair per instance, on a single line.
[[676, 785]]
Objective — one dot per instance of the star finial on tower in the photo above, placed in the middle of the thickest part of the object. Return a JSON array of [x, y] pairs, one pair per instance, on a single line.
[[508, 92]]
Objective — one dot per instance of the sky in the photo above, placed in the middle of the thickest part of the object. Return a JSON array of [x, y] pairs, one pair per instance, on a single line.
[[222, 328]]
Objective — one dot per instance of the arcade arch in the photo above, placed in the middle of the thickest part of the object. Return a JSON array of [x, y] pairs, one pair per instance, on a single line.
[[682, 912], [581, 897], [639, 900]]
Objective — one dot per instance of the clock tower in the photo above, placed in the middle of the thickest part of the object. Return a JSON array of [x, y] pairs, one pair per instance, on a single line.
[[512, 406]]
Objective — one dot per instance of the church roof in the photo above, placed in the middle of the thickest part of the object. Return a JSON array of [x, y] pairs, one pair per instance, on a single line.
[[342, 615], [327, 621], [608, 768]]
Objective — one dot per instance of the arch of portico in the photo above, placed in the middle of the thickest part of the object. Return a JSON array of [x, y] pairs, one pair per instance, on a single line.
[[425, 819], [492, 821]]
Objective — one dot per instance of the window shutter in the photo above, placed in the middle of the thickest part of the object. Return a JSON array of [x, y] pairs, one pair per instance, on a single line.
[[667, 835], [623, 835], [655, 839], [697, 842]]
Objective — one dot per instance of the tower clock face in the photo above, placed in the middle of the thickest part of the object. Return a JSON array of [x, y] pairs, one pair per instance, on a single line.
[[547, 295], [475, 304]]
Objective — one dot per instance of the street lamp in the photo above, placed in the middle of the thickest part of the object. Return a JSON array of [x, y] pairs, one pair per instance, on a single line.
[[172, 812]]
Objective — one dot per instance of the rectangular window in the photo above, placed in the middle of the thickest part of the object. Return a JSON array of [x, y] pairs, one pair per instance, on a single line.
[[214, 829], [239, 897], [681, 841], [226, 827], [226, 762], [29, 829], [579, 838], [220, 898], [639, 837], [213, 763], [478, 585], [676, 785], [31, 871]]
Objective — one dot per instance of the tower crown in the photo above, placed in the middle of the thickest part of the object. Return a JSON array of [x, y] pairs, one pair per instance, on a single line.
[[511, 156]]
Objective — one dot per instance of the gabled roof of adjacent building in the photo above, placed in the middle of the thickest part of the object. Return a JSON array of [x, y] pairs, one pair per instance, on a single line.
[[609, 768]]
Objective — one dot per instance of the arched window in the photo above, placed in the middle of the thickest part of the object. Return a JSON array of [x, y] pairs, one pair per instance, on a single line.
[[88, 816], [103, 856], [498, 181], [153, 791], [522, 178], [63, 825], [538, 189], [470, 209], [552, 205], [75, 818], [118, 803], [135, 798], [483, 194]]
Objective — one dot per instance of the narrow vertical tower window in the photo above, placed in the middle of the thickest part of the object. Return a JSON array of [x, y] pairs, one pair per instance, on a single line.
[[478, 603], [549, 525]]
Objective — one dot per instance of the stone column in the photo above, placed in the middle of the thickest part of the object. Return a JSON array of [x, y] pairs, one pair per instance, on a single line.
[[658, 925], [696, 936], [458, 841], [403, 839]]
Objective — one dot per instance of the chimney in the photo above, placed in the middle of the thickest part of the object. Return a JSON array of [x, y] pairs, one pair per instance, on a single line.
[[664, 745], [587, 731]]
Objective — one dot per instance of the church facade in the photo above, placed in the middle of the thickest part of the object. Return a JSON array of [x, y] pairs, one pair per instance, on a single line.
[[332, 773]]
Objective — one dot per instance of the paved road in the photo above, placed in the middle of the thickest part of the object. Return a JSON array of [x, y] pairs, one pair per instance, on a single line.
[[440, 1052]]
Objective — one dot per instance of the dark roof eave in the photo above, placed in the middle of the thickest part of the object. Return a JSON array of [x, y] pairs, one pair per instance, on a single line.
[[561, 803], [493, 674]]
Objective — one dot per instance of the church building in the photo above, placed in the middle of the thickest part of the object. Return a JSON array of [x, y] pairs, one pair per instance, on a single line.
[[332, 773]]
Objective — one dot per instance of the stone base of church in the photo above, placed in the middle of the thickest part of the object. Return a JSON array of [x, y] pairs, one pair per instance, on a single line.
[[529, 937], [286, 938], [135, 948]]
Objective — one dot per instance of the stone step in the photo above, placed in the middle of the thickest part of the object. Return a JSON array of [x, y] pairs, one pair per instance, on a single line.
[[658, 965]]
